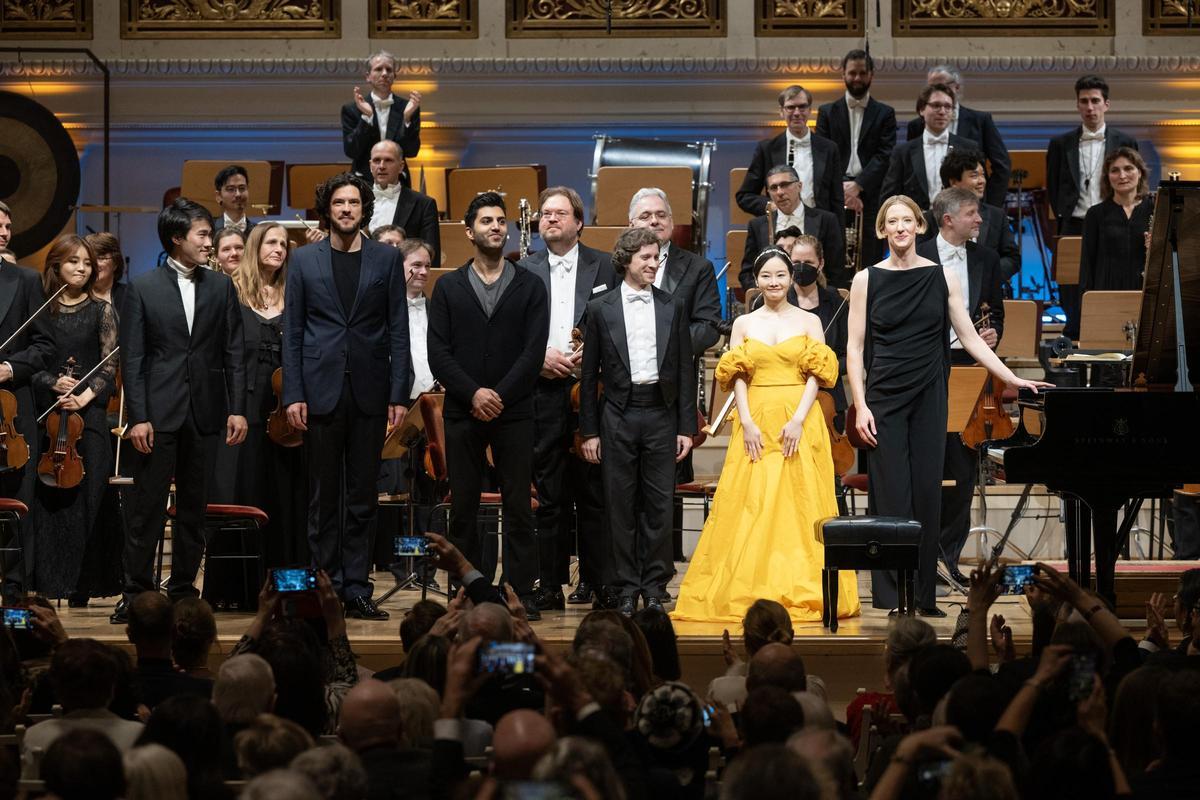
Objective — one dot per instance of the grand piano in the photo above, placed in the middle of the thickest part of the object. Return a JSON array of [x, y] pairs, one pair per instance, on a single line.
[[1108, 449]]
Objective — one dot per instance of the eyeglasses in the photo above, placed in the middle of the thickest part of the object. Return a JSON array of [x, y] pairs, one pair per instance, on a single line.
[[774, 187], [557, 214], [940, 106], [790, 107], [646, 216]]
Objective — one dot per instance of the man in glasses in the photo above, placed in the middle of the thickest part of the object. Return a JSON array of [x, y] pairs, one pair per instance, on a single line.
[[916, 165]]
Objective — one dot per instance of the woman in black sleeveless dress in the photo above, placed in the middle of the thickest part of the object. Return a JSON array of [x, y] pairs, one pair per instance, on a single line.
[[69, 560], [898, 363]]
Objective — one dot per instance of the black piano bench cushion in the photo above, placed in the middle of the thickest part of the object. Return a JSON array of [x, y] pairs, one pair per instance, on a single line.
[[869, 542]]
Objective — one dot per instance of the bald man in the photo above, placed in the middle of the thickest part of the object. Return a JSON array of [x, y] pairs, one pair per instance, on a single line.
[[777, 665], [522, 737], [396, 204], [370, 725]]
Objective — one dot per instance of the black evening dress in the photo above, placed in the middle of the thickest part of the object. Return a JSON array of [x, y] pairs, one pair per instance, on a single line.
[[1114, 246], [75, 553], [907, 357]]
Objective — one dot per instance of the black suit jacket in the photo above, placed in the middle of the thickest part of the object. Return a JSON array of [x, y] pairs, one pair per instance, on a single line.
[[979, 126], [876, 140], [692, 279], [906, 173], [594, 274], [359, 136], [219, 224], [469, 350], [322, 341], [818, 223], [1062, 166], [32, 351], [994, 233], [417, 214], [983, 270], [606, 358], [827, 174], [164, 368]]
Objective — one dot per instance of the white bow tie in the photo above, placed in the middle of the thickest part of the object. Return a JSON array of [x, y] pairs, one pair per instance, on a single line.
[[561, 262], [944, 138], [1091, 136], [384, 103], [786, 220], [805, 142], [959, 253], [390, 193], [852, 103], [643, 296], [416, 302], [240, 225]]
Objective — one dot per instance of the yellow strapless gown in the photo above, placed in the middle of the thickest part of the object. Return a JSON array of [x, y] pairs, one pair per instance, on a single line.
[[759, 542]]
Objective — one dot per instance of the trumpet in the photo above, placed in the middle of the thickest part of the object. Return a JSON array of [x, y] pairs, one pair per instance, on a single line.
[[854, 239], [525, 223]]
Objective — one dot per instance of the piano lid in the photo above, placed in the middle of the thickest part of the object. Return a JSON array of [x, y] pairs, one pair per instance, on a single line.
[[1155, 353]]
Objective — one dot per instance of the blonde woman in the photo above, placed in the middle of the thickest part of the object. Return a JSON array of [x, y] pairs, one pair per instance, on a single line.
[[152, 772]]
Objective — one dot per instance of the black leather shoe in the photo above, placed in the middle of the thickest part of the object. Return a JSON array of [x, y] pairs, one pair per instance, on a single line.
[[933, 611], [583, 594], [627, 606], [957, 575], [530, 601], [364, 608], [655, 603], [77, 601], [120, 614], [551, 600]]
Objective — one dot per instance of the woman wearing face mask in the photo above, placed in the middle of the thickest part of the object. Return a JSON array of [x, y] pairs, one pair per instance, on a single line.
[[813, 295], [229, 246], [68, 558], [777, 479]]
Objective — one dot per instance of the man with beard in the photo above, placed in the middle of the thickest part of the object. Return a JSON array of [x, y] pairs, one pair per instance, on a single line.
[[371, 119], [233, 194], [182, 362], [692, 279], [345, 378], [783, 187], [864, 130], [5, 226], [488, 324], [573, 274], [395, 204]]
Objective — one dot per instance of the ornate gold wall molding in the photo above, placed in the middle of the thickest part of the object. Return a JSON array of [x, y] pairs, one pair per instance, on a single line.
[[1003, 17], [230, 19], [790, 17], [1169, 17], [444, 19], [45, 19], [589, 18]]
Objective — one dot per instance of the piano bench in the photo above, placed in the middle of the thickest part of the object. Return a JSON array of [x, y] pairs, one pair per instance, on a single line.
[[883, 543]]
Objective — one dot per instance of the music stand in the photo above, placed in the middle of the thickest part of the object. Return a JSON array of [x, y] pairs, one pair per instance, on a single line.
[[1028, 184], [513, 183], [601, 237], [402, 442]]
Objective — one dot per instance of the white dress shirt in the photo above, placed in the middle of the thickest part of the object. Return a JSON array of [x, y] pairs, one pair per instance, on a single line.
[[187, 289], [956, 259], [800, 158], [857, 109], [663, 251], [383, 110], [418, 347], [936, 148], [239, 225], [1091, 162], [562, 298], [783, 220], [639, 333], [385, 205]]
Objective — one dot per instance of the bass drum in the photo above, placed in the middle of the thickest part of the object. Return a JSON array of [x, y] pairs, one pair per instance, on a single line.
[[697, 156], [39, 172]]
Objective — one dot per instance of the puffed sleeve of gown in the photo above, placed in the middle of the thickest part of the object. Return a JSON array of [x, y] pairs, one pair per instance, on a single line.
[[736, 363], [819, 361]]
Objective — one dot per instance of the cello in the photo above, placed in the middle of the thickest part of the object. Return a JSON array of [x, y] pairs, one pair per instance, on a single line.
[[61, 466]]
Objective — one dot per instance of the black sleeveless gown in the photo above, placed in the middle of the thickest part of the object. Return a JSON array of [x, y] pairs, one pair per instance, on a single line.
[[908, 366]]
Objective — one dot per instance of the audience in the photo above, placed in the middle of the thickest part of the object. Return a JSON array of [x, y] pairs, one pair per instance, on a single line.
[[769, 716], [193, 636], [83, 764], [280, 785], [656, 626], [771, 772], [371, 726], [152, 772], [151, 631], [189, 726], [336, 771], [268, 743]]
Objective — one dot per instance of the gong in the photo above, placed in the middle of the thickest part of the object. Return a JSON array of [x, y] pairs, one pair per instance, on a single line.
[[39, 172]]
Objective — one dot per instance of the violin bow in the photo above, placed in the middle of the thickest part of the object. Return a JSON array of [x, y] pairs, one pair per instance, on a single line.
[[32, 317], [79, 383]]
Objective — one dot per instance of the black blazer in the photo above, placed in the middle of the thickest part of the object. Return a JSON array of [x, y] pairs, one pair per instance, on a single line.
[[692, 279], [469, 350], [322, 342], [164, 368], [359, 136], [818, 223], [978, 126], [32, 351], [606, 358], [994, 233], [594, 274], [906, 173], [219, 223], [983, 270], [827, 174], [876, 139], [417, 214], [1062, 166]]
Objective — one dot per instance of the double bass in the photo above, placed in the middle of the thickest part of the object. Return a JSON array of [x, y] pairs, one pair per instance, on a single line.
[[61, 465]]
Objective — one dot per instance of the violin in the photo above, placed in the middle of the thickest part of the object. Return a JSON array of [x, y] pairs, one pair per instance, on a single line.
[[843, 453], [14, 450], [61, 465], [989, 421], [576, 439], [279, 430]]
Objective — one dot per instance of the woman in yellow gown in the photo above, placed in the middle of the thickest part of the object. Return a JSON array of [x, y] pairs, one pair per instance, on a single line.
[[777, 480]]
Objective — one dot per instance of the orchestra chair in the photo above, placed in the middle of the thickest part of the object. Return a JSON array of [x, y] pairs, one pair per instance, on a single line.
[[265, 179], [1105, 317], [436, 275], [456, 247], [221, 518], [601, 237], [616, 186], [884, 543], [735, 246], [704, 487], [491, 509], [737, 217], [514, 184], [1022, 330], [430, 181], [1066, 260], [303, 180], [12, 511]]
